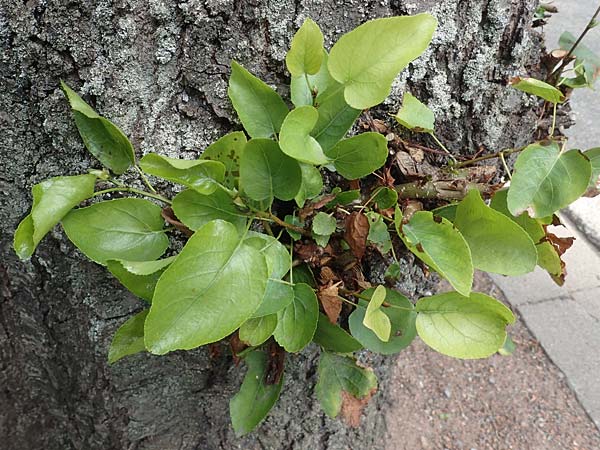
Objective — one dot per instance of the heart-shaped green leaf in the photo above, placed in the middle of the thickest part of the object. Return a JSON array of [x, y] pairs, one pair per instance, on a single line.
[[306, 51], [267, 172], [201, 175], [295, 139], [257, 330], [546, 180], [140, 277], [260, 109], [463, 327], [339, 374], [312, 184], [375, 319], [334, 338], [130, 229], [52, 200], [367, 59], [538, 88], [438, 244], [415, 116], [402, 321], [497, 243], [129, 338], [195, 209], [256, 398], [102, 138], [214, 286], [323, 224], [359, 156], [227, 150], [296, 324]]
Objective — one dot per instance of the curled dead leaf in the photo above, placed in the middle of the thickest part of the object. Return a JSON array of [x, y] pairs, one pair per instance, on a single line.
[[332, 305], [357, 230], [352, 407]]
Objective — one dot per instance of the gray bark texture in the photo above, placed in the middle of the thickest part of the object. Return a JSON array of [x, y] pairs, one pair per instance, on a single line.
[[159, 69]]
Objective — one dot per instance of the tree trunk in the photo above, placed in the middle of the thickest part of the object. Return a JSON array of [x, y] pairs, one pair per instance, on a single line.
[[159, 69]]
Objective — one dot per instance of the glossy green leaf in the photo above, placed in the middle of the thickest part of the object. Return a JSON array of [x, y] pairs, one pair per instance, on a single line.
[[463, 327], [295, 139], [339, 374], [586, 59], [336, 117], [360, 155], [267, 172], [101, 137], [441, 246], [303, 274], [200, 175], [547, 259], [293, 220], [257, 330], [278, 295], [323, 224], [546, 180], [214, 286], [378, 232], [386, 198], [344, 198], [304, 87], [296, 324], [402, 321], [260, 109], [256, 398], [593, 155], [497, 243], [195, 209], [538, 88], [127, 228], [227, 150], [306, 50], [139, 277], [446, 211], [367, 59], [129, 338], [52, 200], [334, 338], [375, 319], [312, 184], [415, 116]]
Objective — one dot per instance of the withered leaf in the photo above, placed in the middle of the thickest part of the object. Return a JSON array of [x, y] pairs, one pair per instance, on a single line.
[[275, 364], [357, 230], [332, 305], [237, 346], [352, 407], [169, 216], [560, 244]]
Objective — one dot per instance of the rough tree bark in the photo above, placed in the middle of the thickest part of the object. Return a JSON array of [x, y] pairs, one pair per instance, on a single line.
[[159, 69]]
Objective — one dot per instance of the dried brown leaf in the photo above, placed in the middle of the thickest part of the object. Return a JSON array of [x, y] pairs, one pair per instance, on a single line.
[[332, 305], [352, 407], [357, 230]]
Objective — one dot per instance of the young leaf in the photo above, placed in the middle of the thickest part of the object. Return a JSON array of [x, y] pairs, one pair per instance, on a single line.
[[256, 398], [277, 295], [52, 200], [508, 348], [257, 330], [463, 327], [538, 88], [129, 338], [378, 232], [323, 224], [295, 139], [587, 60], [497, 244], [260, 109], [214, 286], [267, 172], [293, 220], [415, 116], [593, 155], [200, 175], [195, 209], [439, 245], [375, 319], [339, 374], [296, 324], [359, 156], [367, 59], [335, 116], [139, 277], [402, 321], [102, 138], [127, 228], [306, 51], [303, 86], [312, 184], [333, 338], [227, 150], [546, 180]]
